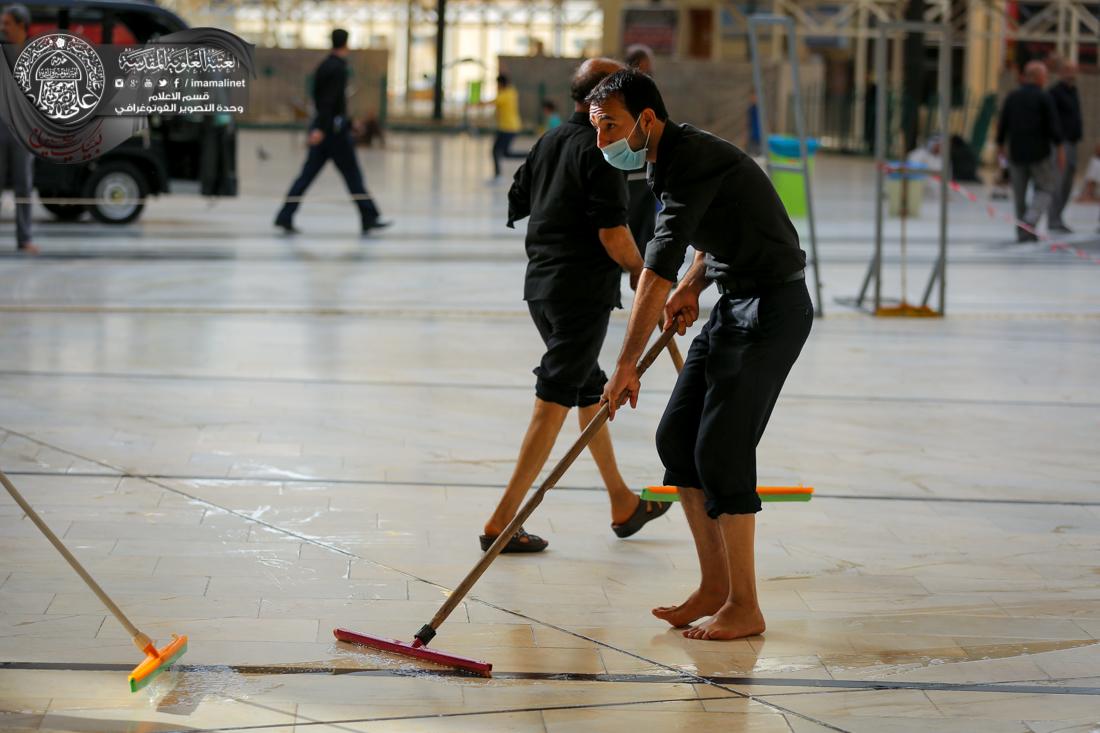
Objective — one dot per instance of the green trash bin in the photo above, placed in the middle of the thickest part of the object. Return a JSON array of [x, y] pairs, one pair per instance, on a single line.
[[785, 150], [473, 92]]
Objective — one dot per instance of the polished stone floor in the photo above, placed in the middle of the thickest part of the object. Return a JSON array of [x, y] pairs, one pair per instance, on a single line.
[[251, 439]]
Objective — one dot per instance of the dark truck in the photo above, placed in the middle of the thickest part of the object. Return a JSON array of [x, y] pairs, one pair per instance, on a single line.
[[170, 149]]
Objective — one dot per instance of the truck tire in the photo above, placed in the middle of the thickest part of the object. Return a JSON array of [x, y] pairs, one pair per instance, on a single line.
[[117, 181]]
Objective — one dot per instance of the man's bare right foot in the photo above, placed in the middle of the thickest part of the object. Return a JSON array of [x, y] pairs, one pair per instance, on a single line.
[[730, 622], [698, 605]]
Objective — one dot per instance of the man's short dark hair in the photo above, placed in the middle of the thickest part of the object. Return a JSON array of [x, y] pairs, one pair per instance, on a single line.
[[636, 90], [19, 14], [503, 80], [339, 38]]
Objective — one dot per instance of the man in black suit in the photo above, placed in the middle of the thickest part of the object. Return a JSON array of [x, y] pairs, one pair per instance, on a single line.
[[330, 137]]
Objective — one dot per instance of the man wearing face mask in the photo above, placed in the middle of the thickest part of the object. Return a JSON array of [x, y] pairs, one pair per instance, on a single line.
[[577, 248], [716, 198], [16, 162]]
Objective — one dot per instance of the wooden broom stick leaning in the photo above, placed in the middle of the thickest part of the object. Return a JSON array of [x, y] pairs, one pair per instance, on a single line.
[[427, 632]]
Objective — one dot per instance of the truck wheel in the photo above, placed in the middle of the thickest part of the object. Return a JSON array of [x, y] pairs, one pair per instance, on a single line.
[[119, 188], [66, 212]]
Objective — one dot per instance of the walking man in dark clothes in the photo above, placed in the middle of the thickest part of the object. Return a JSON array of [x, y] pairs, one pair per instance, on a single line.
[[1030, 126], [1068, 104], [716, 198], [16, 162], [577, 248], [330, 138]]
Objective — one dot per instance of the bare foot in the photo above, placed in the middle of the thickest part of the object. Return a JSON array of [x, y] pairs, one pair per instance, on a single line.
[[731, 622], [698, 605]]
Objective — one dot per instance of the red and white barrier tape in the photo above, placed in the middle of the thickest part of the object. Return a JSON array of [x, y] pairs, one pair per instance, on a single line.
[[1054, 244], [994, 213]]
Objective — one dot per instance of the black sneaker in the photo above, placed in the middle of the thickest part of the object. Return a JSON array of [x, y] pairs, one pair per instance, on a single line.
[[287, 227], [1061, 229]]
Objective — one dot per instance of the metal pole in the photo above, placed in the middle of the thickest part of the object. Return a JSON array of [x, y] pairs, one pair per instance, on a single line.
[[860, 100], [800, 127], [880, 157], [440, 30], [945, 154], [939, 270], [758, 84], [804, 151]]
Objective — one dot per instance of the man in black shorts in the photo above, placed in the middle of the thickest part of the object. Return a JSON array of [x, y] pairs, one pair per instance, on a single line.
[[716, 198], [577, 247]]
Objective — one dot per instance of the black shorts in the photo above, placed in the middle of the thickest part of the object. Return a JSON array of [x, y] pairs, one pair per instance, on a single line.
[[569, 374], [724, 396]]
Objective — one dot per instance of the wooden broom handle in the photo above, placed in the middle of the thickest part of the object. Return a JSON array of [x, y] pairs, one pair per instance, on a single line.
[[56, 542], [528, 508]]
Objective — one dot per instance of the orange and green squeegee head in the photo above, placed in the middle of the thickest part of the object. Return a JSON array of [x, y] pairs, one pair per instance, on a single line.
[[767, 493], [156, 661]]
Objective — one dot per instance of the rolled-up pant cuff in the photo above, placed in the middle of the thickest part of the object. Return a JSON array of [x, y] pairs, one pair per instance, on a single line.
[[682, 480], [556, 393], [732, 504]]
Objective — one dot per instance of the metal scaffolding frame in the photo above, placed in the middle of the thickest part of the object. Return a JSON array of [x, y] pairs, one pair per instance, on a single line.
[[939, 269], [760, 21]]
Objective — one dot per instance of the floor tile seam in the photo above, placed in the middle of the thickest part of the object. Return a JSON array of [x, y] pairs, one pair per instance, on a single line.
[[1012, 687], [407, 384], [122, 474], [464, 714], [451, 314], [347, 553], [397, 250]]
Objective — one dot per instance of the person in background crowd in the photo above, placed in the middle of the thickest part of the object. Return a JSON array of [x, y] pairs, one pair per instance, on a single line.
[[550, 116], [16, 162], [1090, 190], [330, 137], [508, 123], [1027, 131], [1068, 104], [640, 57]]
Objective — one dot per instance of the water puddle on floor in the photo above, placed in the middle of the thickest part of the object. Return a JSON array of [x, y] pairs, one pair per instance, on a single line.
[[180, 692], [886, 664]]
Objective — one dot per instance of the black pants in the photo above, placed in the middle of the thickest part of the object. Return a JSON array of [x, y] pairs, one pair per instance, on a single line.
[[724, 396], [338, 147], [569, 373], [502, 148]]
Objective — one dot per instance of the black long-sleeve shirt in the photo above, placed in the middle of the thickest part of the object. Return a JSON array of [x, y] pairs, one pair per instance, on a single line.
[[330, 81], [570, 192], [1068, 104], [717, 199], [1030, 123]]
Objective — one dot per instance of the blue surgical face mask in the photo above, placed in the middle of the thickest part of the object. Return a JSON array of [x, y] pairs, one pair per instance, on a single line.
[[620, 155]]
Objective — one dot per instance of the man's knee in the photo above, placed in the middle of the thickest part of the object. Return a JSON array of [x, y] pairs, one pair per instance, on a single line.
[[558, 393], [675, 448]]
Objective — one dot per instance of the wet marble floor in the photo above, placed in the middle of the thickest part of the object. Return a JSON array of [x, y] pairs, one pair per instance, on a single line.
[[252, 439]]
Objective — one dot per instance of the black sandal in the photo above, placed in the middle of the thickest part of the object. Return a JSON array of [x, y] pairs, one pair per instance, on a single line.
[[520, 542], [645, 512]]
